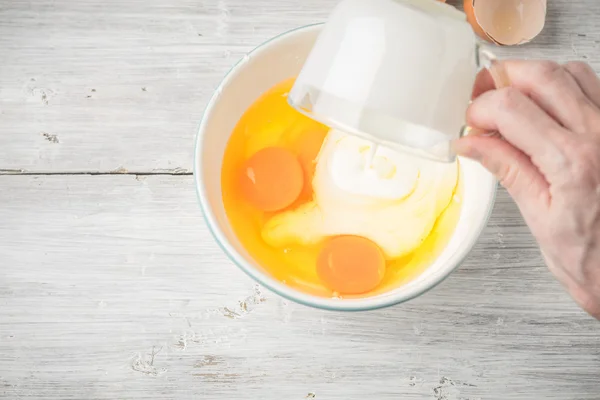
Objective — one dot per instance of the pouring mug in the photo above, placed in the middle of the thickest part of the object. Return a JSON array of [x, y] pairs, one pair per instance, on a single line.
[[397, 72]]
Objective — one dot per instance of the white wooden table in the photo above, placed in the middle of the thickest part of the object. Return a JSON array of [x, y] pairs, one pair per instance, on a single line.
[[111, 286]]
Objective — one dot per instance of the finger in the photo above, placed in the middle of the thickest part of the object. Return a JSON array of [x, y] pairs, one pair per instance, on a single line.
[[553, 89], [586, 78], [483, 83], [512, 168], [523, 124], [490, 79]]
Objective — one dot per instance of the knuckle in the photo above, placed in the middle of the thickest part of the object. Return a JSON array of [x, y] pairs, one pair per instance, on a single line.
[[587, 117], [507, 173], [562, 140], [555, 158], [583, 162], [580, 120], [509, 98], [579, 68], [547, 70]]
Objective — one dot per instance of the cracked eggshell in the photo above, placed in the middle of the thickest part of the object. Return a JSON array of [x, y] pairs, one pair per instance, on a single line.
[[506, 22]]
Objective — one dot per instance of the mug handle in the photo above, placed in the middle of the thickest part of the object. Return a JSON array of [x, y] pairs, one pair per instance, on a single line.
[[486, 59]]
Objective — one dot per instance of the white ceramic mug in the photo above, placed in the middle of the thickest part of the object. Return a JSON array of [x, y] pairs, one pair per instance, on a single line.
[[397, 72], [267, 65]]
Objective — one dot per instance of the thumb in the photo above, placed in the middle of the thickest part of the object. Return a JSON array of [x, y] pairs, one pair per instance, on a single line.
[[513, 168]]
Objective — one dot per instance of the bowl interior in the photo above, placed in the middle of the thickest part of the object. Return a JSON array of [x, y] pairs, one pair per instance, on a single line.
[[276, 60]]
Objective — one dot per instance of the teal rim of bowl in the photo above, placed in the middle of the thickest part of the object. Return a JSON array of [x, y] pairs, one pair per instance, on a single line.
[[287, 292]]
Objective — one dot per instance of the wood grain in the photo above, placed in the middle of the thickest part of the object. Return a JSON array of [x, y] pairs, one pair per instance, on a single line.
[[101, 86], [111, 286], [101, 272]]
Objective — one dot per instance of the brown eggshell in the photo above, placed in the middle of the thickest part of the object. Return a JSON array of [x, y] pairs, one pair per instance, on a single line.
[[468, 8], [510, 22]]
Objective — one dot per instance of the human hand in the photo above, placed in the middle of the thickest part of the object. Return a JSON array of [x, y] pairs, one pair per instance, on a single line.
[[548, 158]]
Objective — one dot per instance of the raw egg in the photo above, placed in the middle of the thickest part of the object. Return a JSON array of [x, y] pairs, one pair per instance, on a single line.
[[351, 265], [271, 179]]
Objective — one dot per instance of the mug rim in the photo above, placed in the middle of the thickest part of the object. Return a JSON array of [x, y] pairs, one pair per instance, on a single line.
[[332, 304]]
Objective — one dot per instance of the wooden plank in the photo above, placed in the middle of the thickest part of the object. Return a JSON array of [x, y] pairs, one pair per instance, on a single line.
[[100, 86], [111, 287]]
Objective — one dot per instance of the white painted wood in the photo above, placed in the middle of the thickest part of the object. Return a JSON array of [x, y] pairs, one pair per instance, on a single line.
[[95, 85], [99, 272], [111, 286]]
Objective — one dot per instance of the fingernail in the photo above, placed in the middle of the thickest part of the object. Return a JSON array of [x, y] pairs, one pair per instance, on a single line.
[[481, 132], [499, 74], [490, 134]]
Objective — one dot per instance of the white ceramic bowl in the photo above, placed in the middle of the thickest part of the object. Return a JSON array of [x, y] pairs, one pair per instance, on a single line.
[[270, 63]]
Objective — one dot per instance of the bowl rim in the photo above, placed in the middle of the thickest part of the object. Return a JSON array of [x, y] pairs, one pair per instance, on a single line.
[[287, 292]]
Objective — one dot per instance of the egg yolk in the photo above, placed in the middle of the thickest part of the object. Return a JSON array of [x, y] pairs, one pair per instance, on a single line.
[[307, 147], [271, 179], [351, 264]]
